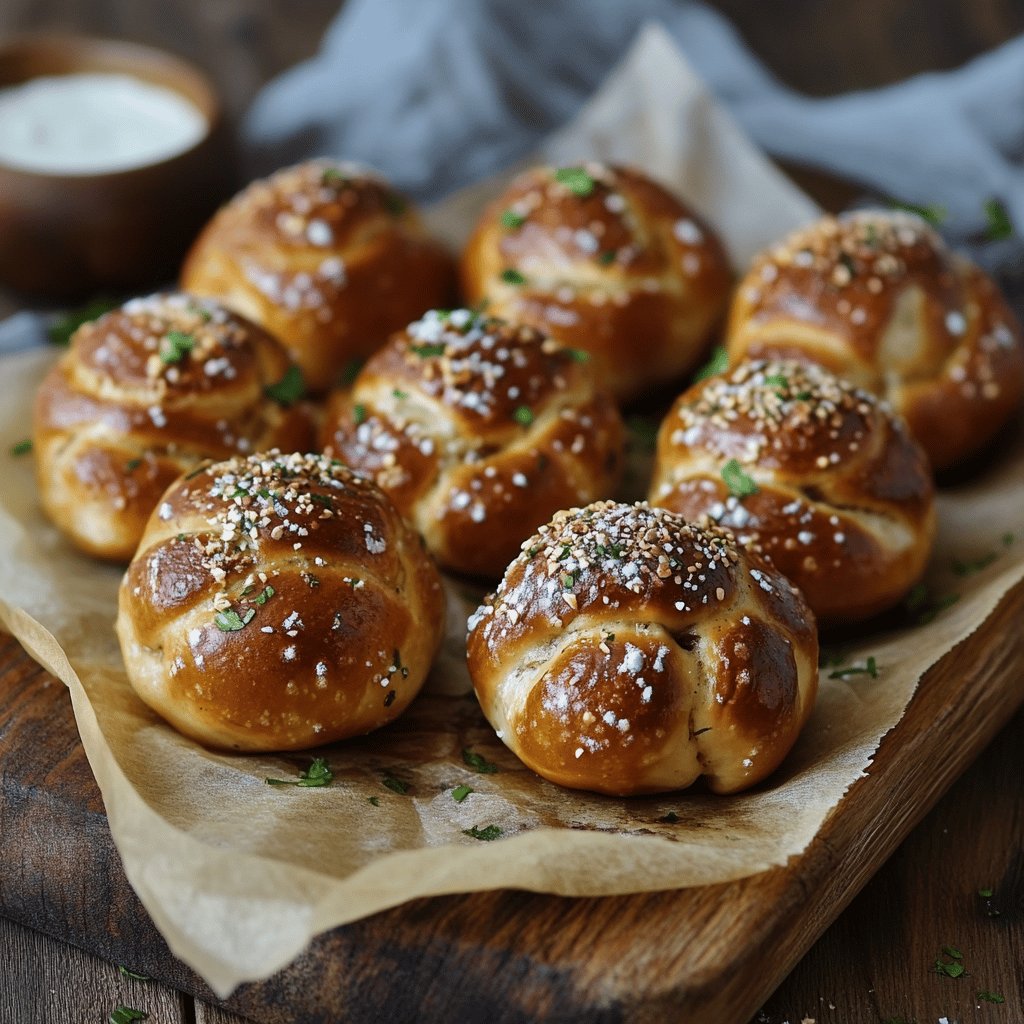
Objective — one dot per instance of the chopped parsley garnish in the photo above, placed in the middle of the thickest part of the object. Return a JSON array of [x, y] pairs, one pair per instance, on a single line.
[[990, 997], [718, 363], [985, 893], [523, 415], [576, 180], [577, 355], [22, 447], [568, 580], [512, 276], [511, 219], [230, 621], [375, 800], [920, 601], [1008, 539], [395, 204], [952, 968], [175, 346], [485, 835], [428, 350], [323, 499], [131, 465], [953, 952], [868, 669], [459, 793], [737, 480], [776, 380], [997, 221], [351, 371], [200, 311], [933, 214], [399, 394], [289, 389], [395, 785], [266, 594], [60, 331], [332, 176], [607, 257], [133, 974], [962, 568], [478, 763], [359, 413], [127, 1014], [316, 775]]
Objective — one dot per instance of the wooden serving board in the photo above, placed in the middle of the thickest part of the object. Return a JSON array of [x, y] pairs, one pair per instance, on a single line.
[[695, 954]]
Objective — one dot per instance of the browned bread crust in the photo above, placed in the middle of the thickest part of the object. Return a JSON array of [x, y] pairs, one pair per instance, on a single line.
[[878, 298], [479, 431], [326, 256], [627, 651], [606, 260], [844, 502], [278, 602], [144, 394]]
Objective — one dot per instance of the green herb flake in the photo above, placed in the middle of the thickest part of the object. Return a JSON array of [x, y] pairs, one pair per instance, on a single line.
[[870, 668], [131, 465], [737, 480], [289, 389], [985, 893], [577, 355], [21, 447], [961, 568], [133, 974], [230, 621], [459, 793], [318, 774], [127, 1014], [175, 346], [428, 350], [1008, 539], [510, 219], [332, 176], [351, 371], [998, 225], [395, 785], [375, 800], [953, 952], [266, 594], [478, 763], [776, 380], [61, 330], [523, 415], [576, 180], [512, 276], [643, 432], [607, 257], [485, 835], [395, 204], [718, 363], [568, 580], [990, 997], [399, 394], [933, 214], [358, 413]]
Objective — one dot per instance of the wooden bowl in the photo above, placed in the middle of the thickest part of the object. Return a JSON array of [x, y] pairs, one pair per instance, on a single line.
[[71, 236]]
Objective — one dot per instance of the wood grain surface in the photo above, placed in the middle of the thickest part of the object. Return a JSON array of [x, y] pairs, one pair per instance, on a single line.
[[873, 965]]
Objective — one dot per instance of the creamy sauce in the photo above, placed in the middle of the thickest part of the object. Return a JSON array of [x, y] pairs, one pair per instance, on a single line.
[[94, 124]]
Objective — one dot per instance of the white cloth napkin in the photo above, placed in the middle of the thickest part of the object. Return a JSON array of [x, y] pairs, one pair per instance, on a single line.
[[439, 94]]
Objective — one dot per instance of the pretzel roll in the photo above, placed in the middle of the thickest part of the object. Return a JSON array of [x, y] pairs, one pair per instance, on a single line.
[[479, 431], [877, 297], [628, 651], [819, 474], [278, 602], [605, 260], [328, 257], [144, 394]]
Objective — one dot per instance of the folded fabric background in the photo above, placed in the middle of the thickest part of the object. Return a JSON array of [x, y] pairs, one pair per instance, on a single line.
[[439, 94]]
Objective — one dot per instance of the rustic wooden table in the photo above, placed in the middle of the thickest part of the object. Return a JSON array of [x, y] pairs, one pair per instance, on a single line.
[[876, 963]]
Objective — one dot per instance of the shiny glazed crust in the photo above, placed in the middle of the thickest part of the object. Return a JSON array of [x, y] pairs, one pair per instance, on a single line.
[[278, 602], [603, 259], [326, 256], [844, 503], [479, 431], [144, 394], [627, 651], [878, 298]]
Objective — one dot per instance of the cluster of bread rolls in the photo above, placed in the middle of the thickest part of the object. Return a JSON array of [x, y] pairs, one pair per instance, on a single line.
[[279, 599]]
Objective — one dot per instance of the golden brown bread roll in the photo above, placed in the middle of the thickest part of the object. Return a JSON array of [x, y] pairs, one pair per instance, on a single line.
[[144, 394], [479, 431], [605, 260], [278, 602], [628, 651], [878, 298], [326, 256], [821, 475]]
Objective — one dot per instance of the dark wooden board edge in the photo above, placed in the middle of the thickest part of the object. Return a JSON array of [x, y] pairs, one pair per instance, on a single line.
[[506, 956]]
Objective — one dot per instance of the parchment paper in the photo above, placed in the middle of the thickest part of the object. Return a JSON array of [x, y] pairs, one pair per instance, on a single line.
[[239, 875]]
